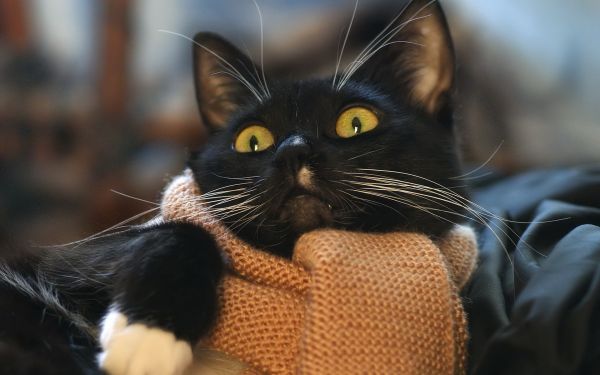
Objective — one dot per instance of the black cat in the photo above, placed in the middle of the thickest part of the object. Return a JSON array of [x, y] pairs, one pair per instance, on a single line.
[[370, 149]]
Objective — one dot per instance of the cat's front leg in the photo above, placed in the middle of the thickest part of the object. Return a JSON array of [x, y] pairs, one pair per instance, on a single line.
[[164, 301]]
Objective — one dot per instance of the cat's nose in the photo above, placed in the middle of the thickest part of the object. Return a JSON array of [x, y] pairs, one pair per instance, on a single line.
[[293, 152]]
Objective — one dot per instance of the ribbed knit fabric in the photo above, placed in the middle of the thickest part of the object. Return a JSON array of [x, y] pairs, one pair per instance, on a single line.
[[348, 302]]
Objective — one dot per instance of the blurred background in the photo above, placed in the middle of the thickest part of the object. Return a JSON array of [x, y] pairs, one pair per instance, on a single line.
[[93, 98]]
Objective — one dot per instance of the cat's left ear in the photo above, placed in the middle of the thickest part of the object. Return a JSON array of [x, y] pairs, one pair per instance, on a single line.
[[223, 79], [419, 59]]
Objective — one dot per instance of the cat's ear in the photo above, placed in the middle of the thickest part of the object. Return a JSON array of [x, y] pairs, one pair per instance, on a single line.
[[223, 77], [419, 59]]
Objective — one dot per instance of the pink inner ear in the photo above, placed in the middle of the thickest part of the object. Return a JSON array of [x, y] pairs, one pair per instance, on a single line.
[[220, 70], [433, 61], [216, 102]]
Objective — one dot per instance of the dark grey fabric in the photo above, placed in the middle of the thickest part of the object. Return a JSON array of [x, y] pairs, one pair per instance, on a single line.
[[533, 303]]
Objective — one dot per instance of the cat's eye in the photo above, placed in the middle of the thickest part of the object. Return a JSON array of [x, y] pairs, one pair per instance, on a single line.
[[354, 121], [254, 138]]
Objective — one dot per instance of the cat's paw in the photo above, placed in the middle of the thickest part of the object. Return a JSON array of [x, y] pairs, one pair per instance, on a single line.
[[136, 349]]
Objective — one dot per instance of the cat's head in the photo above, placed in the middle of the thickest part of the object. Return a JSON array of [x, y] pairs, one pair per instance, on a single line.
[[370, 150]]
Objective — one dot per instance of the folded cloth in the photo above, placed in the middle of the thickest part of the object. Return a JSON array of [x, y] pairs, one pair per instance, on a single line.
[[347, 303]]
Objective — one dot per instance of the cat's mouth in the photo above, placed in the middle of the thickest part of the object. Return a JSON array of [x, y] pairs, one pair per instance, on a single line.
[[306, 211]]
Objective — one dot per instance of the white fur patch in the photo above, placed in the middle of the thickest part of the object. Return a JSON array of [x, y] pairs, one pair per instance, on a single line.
[[304, 178], [465, 231], [112, 323], [137, 349]]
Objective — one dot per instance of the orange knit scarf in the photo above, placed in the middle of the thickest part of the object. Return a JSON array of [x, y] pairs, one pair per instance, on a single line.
[[348, 302]]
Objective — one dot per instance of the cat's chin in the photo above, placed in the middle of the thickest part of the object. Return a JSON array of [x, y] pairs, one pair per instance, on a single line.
[[307, 212]]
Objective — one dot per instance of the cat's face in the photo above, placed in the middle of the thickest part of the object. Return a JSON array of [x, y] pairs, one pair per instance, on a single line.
[[374, 152]]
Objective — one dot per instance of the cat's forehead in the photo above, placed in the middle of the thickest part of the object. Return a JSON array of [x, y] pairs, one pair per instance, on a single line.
[[311, 104], [319, 90], [316, 99], [301, 94]]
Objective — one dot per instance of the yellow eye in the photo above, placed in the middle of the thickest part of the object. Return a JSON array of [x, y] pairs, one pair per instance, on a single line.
[[355, 121], [254, 138]]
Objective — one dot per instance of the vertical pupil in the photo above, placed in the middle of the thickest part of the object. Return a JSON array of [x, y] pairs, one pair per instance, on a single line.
[[356, 125], [253, 143]]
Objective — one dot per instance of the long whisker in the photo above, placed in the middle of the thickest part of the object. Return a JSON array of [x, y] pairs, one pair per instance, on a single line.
[[366, 153], [429, 210], [470, 178], [262, 50], [462, 176], [116, 226], [387, 42], [455, 199], [340, 56], [255, 74], [132, 197], [382, 40], [236, 73], [245, 178], [382, 32], [442, 195], [460, 197]]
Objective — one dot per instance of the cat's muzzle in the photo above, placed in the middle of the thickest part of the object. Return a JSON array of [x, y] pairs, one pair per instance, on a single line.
[[306, 212]]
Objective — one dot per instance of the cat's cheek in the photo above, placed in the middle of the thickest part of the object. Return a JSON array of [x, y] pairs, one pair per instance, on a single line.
[[140, 349]]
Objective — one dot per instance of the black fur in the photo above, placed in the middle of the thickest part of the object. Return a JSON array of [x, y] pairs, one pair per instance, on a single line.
[[170, 280], [34, 340], [166, 275], [163, 276]]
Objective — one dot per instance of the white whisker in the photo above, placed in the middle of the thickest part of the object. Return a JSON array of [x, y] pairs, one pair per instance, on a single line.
[[262, 50], [383, 39], [234, 72], [116, 226], [339, 58], [132, 197], [235, 178], [445, 195], [366, 153], [255, 74], [383, 32], [462, 176]]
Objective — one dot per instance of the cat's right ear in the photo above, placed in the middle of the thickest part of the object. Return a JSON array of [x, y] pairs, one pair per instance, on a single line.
[[222, 79], [415, 57]]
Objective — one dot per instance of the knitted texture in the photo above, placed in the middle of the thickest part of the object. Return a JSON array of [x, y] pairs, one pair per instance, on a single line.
[[347, 303]]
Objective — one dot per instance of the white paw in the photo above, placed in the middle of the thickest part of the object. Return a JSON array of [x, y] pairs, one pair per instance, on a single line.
[[137, 349]]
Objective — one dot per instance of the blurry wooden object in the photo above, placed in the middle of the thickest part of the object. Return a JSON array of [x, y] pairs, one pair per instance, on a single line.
[[115, 48], [13, 24]]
